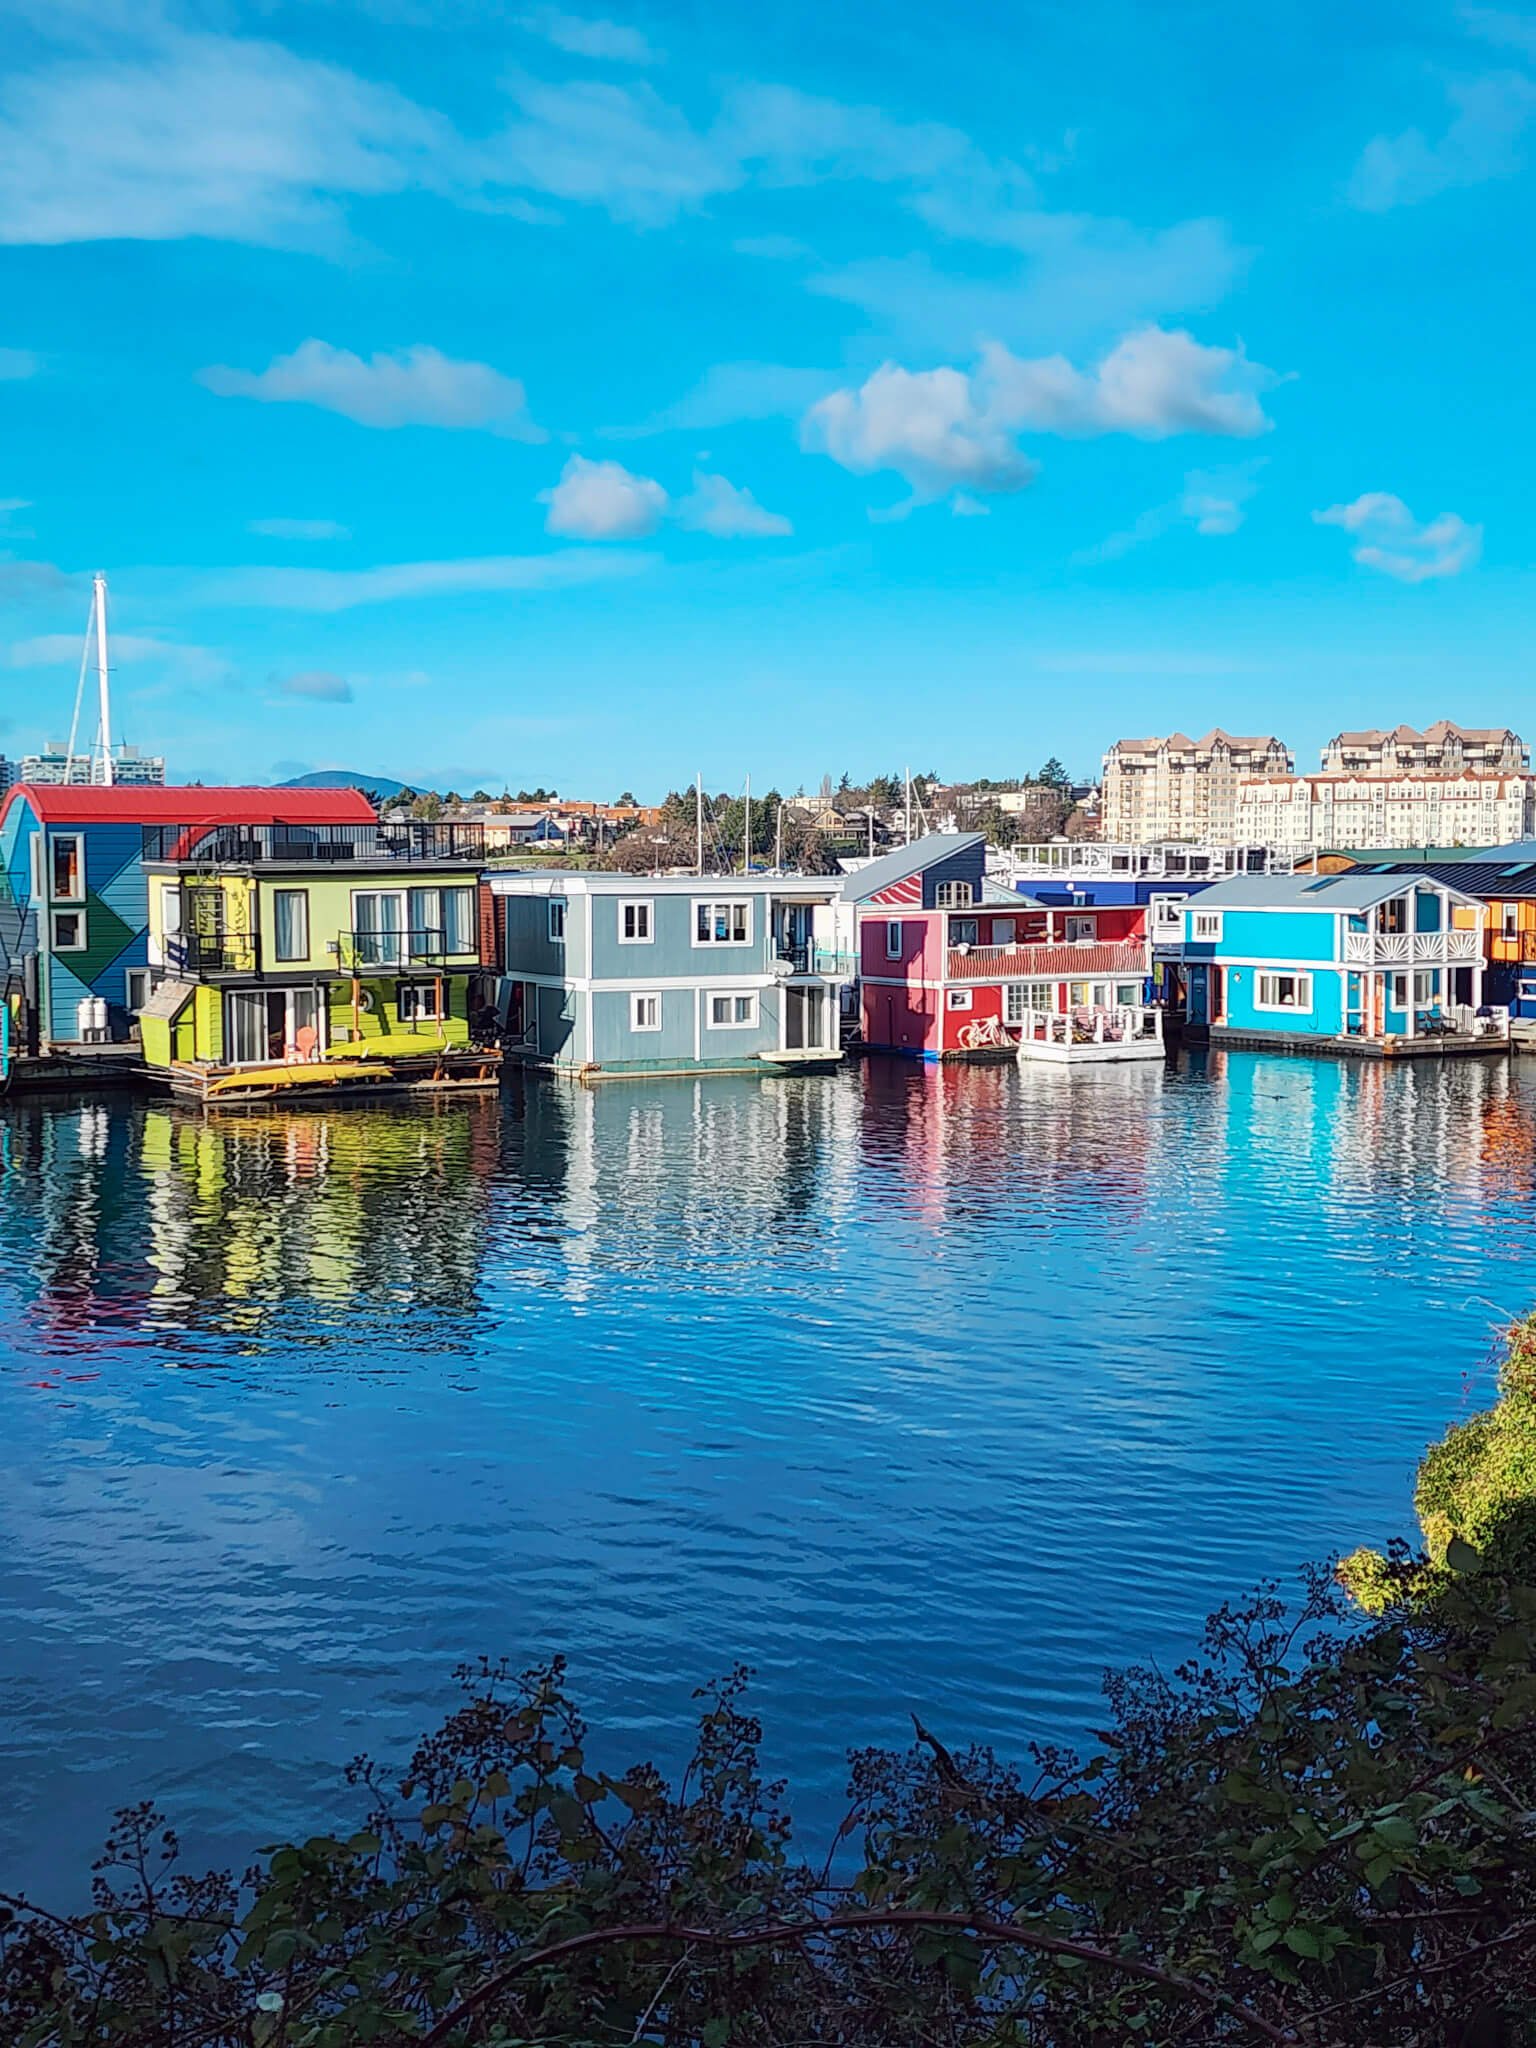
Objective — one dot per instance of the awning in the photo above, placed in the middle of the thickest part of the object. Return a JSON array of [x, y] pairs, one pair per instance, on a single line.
[[167, 1000]]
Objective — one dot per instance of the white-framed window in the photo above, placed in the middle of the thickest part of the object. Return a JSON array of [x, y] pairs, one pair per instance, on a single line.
[[1509, 914], [726, 923], [962, 931], [1020, 997], [137, 983], [416, 1002], [1166, 912], [637, 926], [1003, 930], [893, 931], [69, 931], [66, 858], [1128, 994], [1082, 928], [1205, 924], [557, 920], [958, 999], [954, 896], [645, 1011], [290, 924], [1283, 992], [732, 1011]]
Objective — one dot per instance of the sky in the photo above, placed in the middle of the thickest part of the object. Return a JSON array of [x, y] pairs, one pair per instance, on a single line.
[[507, 394]]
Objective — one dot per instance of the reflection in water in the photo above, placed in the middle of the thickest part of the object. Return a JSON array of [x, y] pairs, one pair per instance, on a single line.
[[932, 1389]]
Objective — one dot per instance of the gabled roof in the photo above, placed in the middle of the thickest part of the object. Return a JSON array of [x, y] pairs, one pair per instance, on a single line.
[[67, 804], [1359, 889], [879, 874]]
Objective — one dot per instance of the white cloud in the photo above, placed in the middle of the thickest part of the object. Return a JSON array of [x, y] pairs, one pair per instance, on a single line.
[[336, 590], [963, 506], [203, 135], [320, 685], [926, 425], [942, 429], [62, 650], [1513, 31], [299, 529], [16, 363], [724, 509], [415, 387], [1484, 139], [621, 147], [730, 392], [580, 36], [603, 501], [1390, 538], [1213, 502]]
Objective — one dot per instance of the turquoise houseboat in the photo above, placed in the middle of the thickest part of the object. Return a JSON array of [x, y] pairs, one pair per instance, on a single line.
[[609, 974], [1368, 963]]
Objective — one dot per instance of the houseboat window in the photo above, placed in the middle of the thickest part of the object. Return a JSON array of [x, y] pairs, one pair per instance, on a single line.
[[1206, 923], [1082, 928], [377, 937], [416, 1002], [954, 896], [1019, 997], [459, 920], [1426, 984], [1002, 931], [557, 920], [1392, 916], [722, 924], [893, 938], [959, 999], [68, 872], [645, 1012], [1284, 992], [962, 931], [635, 927], [1510, 914], [136, 987], [290, 923], [1128, 994], [69, 931], [731, 1012]]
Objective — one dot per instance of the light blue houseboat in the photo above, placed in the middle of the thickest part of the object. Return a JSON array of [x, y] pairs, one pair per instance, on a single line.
[[1368, 963], [607, 974]]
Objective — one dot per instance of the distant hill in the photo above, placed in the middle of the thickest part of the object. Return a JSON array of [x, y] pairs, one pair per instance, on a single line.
[[344, 778]]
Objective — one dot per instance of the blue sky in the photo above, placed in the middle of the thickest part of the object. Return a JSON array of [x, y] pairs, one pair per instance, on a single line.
[[508, 392]]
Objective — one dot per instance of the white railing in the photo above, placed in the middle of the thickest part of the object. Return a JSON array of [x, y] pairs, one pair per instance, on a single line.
[[1397, 949], [1096, 1027]]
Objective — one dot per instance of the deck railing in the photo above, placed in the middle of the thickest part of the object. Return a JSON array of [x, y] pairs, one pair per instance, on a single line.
[[213, 953], [1400, 949], [217, 845], [362, 952]]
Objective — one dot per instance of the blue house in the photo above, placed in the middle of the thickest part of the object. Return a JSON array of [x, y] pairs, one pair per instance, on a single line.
[[1340, 962], [608, 974]]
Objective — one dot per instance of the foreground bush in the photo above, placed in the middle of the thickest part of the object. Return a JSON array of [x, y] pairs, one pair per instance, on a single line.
[[1322, 1832]]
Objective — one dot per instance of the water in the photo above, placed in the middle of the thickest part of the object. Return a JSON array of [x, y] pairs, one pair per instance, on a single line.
[[915, 1389]]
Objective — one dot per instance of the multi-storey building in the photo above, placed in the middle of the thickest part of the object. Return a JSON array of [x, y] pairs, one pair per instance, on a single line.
[[1387, 810], [1441, 749], [55, 766], [7, 774], [1179, 788]]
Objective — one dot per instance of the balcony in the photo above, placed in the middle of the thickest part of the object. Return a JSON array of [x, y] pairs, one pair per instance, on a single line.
[[1407, 949], [244, 846], [213, 953], [823, 960], [385, 952], [1068, 960]]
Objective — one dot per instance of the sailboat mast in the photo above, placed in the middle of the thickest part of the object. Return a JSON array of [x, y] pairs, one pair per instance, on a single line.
[[746, 851], [104, 688], [698, 821]]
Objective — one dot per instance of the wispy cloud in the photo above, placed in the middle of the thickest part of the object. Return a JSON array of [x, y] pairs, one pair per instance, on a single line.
[[180, 658], [413, 387], [731, 392], [299, 529], [1484, 139], [717, 506], [319, 685], [1213, 502], [336, 590], [17, 363], [1390, 539], [580, 35]]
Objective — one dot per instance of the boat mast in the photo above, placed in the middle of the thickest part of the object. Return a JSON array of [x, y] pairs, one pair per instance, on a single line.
[[746, 851], [778, 842], [104, 688], [908, 813], [698, 821]]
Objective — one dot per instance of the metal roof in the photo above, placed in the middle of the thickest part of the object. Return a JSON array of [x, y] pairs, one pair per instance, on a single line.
[[907, 860], [1501, 877], [57, 803], [1357, 890]]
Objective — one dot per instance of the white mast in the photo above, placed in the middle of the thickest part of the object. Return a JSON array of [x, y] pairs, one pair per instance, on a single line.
[[778, 842], [698, 821], [104, 688], [746, 850], [908, 814]]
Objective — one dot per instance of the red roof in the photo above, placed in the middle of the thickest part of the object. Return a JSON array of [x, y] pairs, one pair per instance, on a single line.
[[197, 804]]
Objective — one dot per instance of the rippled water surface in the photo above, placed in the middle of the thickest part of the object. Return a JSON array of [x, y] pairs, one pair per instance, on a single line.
[[913, 1389]]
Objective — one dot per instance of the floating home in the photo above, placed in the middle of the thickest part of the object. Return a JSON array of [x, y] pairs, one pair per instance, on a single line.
[[1388, 965], [74, 894], [609, 974], [953, 965], [1503, 878], [316, 960]]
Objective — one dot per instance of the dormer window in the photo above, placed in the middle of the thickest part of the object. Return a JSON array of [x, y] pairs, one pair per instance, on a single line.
[[954, 896]]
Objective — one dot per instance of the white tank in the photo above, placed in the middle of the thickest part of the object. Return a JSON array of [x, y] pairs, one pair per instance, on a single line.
[[99, 1016], [85, 1019]]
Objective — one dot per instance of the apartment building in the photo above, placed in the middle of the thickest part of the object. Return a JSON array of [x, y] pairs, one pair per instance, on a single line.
[[1179, 788], [1441, 749], [1295, 811]]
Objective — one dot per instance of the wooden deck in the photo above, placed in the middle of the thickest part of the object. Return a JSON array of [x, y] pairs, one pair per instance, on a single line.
[[1448, 1046]]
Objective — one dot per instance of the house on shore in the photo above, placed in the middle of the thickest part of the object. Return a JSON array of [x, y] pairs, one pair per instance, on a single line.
[[610, 974], [291, 960], [1361, 962], [74, 895], [953, 965]]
